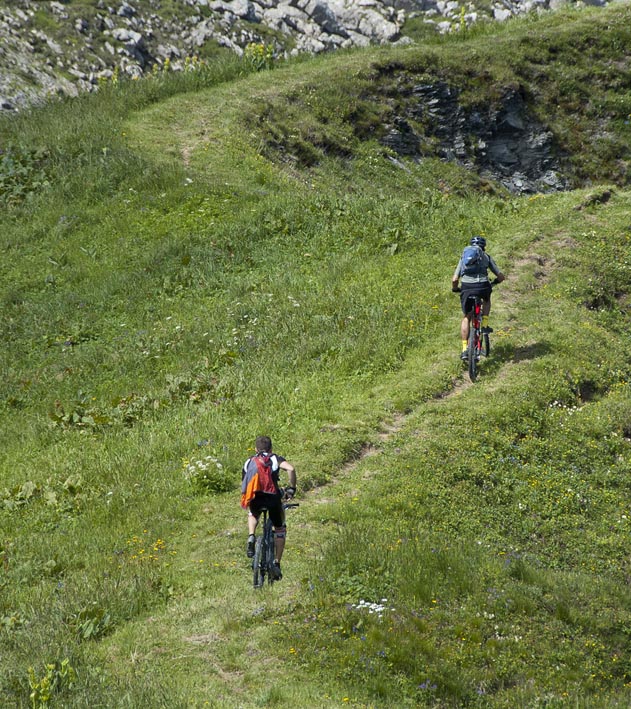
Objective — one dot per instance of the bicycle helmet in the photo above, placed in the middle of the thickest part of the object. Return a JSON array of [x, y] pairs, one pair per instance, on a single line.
[[478, 241]]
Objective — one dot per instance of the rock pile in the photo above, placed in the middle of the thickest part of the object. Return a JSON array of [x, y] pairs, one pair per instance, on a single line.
[[61, 47]]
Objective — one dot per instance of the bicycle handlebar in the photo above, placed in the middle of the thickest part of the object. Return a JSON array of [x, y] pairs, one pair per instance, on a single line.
[[283, 493]]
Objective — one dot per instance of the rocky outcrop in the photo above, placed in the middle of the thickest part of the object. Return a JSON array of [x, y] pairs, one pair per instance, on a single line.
[[55, 47], [66, 48], [501, 142]]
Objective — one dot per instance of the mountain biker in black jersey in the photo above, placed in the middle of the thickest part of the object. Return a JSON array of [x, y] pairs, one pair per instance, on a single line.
[[268, 496], [475, 281]]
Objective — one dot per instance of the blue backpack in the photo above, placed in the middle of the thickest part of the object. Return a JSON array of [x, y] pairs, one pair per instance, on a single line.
[[472, 261]]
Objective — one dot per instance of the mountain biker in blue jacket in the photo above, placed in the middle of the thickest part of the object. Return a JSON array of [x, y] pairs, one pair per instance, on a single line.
[[475, 281], [272, 501]]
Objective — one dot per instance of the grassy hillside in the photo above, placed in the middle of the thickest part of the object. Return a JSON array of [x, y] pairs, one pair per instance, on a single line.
[[177, 279]]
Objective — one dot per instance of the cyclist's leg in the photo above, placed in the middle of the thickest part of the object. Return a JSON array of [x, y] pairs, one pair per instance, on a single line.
[[279, 542], [467, 309], [486, 309], [254, 513], [486, 306], [253, 521], [277, 515], [464, 327]]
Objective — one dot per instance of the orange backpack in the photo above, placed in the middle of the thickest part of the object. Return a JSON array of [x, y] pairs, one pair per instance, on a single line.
[[257, 477]]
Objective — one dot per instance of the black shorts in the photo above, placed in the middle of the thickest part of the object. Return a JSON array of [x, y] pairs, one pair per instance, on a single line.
[[274, 506], [467, 290]]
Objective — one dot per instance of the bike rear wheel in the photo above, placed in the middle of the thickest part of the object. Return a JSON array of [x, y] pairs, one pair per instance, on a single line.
[[258, 563], [474, 353]]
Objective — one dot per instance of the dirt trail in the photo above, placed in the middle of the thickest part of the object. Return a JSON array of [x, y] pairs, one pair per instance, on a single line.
[[527, 273]]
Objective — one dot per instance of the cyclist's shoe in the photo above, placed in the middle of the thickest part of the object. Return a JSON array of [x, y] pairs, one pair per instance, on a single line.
[[250, 551], [276, 573], [464, 356], [487, 330]]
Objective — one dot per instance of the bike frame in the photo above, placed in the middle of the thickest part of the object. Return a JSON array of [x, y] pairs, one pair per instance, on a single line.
[[475, 327], [264, 550]]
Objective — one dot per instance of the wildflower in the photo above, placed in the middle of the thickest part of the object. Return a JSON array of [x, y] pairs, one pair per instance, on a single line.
[[372, 608]]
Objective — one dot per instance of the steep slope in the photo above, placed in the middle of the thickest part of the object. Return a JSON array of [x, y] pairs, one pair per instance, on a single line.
[[191, 261]]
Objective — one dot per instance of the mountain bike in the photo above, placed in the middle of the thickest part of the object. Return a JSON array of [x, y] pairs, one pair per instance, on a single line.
[[479, 342], [264, 551]]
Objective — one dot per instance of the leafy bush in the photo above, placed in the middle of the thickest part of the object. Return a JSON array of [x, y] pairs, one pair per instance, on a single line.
[[22, 172], [93, 622]]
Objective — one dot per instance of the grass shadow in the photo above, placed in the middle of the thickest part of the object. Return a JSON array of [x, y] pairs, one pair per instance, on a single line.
[[505, 352], [508, 353]]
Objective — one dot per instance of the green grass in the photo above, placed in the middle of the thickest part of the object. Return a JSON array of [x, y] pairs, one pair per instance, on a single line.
[[177, 288]]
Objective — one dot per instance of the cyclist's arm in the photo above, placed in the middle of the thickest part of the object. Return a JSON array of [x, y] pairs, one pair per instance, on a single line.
[[291, 472], [456, 277], [499, 276]]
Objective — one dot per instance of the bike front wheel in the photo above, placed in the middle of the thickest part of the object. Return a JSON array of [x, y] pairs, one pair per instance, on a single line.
[[486, 344]]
